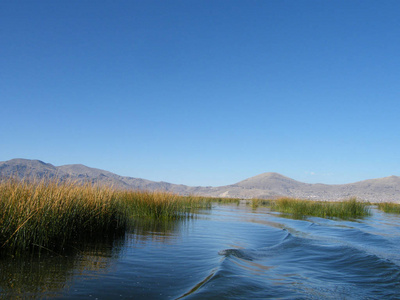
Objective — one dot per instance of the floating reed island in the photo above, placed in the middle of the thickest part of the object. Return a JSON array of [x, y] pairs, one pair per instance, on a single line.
[[52, 215]]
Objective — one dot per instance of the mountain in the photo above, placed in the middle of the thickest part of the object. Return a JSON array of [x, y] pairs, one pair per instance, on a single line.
[[25, 168], [266, 185], [272, 181]]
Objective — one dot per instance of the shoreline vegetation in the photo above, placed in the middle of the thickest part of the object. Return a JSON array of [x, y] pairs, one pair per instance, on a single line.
[[300, 208], [52, 215], [393, 208], [56, 216]]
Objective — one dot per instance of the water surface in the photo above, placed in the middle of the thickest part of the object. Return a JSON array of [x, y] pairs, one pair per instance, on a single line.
[[229, 252]]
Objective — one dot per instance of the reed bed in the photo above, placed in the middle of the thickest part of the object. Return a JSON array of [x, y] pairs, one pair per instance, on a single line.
[[53, 215], [299, 208], [221, 200], [48, 215], [255, 203], [162, 205], [393, 208]]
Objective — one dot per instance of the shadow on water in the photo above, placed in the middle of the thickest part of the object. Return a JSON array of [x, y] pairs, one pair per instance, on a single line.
[[50, 274]]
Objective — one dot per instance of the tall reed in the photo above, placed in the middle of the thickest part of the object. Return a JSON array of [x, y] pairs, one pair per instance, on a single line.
[[53, 215], [49, 214], [162, 205]]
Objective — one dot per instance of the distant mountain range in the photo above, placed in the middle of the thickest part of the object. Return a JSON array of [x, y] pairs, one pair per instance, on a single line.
[[266, 185]]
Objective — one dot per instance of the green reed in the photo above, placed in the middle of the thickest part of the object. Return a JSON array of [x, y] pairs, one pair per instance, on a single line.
[[221, 200], [393, 208], [52, 215], [162, 205], [300, 208], [255, 203]]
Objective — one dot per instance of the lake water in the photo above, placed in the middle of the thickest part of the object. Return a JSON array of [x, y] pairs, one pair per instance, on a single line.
[[228, 252]]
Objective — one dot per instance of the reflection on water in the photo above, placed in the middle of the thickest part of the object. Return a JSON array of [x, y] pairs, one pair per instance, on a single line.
[[229, 252], [35, 277], [51, 273], [155, 230]]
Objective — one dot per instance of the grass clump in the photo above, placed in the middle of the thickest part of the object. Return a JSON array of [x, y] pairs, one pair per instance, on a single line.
[[300, 208], [53, 215], [393, 208]]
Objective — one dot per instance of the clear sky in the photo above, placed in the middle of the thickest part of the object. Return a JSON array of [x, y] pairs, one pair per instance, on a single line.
[[205, 92]]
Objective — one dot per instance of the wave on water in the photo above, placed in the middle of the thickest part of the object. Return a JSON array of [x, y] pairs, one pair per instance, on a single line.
[[304, 267]]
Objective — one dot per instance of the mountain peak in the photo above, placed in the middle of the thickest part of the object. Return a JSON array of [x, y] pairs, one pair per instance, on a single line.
[[21, 167], [270, 175], [268, 181], [17, 161]]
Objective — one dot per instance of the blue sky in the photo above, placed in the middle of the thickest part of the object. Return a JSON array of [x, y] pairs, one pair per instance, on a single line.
[[204, 92]]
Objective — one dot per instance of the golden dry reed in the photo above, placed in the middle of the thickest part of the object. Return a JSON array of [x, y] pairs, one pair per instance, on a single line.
[[52, 215]]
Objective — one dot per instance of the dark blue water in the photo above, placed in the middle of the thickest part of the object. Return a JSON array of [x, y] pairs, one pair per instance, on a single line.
[[229, 252]]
